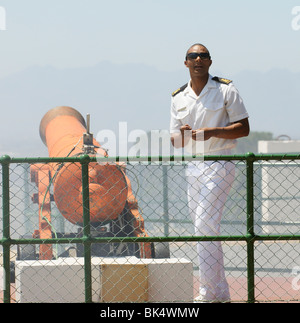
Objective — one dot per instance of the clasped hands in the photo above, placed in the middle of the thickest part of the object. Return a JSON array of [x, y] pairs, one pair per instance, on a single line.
[[201, 134]]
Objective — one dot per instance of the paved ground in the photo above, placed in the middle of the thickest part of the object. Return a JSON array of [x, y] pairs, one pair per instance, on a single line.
[[268, 289]]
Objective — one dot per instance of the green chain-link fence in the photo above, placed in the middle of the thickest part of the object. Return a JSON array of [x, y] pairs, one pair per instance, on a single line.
[[108, 261]]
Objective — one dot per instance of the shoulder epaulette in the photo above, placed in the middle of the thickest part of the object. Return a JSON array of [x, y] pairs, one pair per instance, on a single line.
[[180, 89], [221, 80]]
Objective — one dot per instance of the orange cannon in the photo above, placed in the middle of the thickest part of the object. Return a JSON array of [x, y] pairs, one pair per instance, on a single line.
[[65, 133]]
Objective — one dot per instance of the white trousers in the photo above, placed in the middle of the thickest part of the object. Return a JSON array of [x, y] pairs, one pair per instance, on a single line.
[[207, 194]]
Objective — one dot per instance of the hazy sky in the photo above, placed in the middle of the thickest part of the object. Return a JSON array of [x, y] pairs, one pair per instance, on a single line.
[[241, 35], [253, 36]]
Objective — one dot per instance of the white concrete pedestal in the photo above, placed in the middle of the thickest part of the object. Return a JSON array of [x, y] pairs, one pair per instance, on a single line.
[[128, 279]]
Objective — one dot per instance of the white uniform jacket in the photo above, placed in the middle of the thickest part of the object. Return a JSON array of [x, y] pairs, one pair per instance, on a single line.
[[218, 105]]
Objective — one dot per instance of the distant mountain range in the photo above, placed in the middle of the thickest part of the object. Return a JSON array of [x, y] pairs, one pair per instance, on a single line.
[[136, 94]]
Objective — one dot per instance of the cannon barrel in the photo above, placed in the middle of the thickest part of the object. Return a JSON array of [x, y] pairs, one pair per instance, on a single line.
[[61, 130]]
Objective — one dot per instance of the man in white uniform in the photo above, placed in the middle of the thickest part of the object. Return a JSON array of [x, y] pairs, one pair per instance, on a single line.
[[208, 115]]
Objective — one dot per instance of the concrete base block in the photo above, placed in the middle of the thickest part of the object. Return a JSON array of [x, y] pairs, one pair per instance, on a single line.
[[127, 279]]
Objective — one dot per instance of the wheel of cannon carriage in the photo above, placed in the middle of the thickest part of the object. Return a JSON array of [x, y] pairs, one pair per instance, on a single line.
[[26, 251], [160, 250]]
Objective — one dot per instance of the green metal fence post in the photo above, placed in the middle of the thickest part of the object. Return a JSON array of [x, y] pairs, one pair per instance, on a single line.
[[165, 200], [86, 228], [5, 160], [250, 157]]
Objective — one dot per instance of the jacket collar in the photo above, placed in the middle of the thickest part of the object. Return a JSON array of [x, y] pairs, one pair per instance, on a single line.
[[211, 84]]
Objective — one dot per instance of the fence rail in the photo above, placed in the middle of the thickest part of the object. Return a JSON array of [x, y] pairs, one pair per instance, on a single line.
[[256, 213]]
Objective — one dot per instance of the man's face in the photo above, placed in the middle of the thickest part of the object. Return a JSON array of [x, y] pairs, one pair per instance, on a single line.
[[198, 66]]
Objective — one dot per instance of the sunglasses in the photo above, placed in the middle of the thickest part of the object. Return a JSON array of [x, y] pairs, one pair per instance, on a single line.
[[203, 56]]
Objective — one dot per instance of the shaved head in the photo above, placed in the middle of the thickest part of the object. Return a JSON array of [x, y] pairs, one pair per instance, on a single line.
[[197, 45]]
